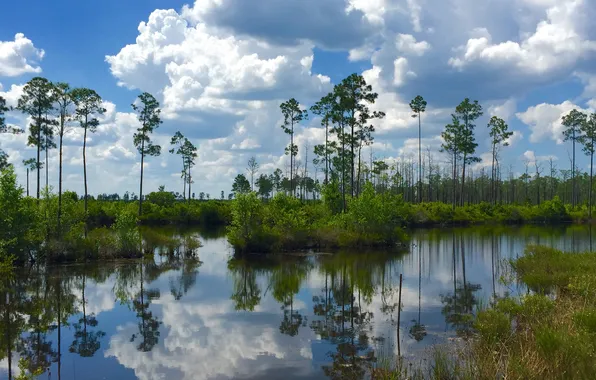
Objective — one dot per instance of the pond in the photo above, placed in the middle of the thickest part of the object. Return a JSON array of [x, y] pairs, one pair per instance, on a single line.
[[291, 317]]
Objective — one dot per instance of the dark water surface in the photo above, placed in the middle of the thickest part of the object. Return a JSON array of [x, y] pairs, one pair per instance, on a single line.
[[293, 317]]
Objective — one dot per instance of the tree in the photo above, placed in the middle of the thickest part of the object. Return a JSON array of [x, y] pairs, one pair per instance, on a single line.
[[88, 106], [62, 94], [30, 164], [467, 112], [188, 152], [293, 114], [418, 106], [240, 185], [499, 136], [252, 168], [324, 109], [265, 185], [222, 195], [178, 140], [451, 145], [36, 102], [148, 114], [15, 219], [5, 129], [355, 95], [573, 123], [588, 140]]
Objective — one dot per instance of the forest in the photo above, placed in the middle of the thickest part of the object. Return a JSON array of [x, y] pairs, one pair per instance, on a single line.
[[338, 198]]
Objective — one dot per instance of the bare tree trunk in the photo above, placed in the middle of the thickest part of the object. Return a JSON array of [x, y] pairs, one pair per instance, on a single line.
[[141, 182], [85, 165], [419, 160], [591, 176], [60, 175], [463, 179]]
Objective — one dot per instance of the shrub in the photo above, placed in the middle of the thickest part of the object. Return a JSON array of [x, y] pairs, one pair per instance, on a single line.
[[127, 234]]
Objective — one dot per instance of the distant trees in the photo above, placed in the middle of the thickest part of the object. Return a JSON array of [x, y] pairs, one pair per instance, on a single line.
[[418, 106], [467, 112], [240, 185], [293, 115], [30, 164], [252, 168], [148, 113], [62, 95], [188, 152], [88, 106], [3, 129], [36, 102], [499, 135], [265, 185], [588, 140], [573, 132]]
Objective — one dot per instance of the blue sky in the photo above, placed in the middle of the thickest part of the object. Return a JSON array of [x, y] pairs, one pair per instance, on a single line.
[[220, 69]]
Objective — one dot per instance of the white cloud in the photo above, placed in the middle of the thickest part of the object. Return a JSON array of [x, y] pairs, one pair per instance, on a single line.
[[544, 120], [557, 42], [407, 44], [19, 57], [504, 110], [515, 138]]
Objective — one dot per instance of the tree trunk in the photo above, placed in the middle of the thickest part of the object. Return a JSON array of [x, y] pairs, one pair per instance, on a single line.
[[184, 178], [591, 176], [454, 178], [189, 183], [573, 192], [352, 156], [292, 161], [492, 175], [38, 155], [358, 178], [463, 179], [85, 166], [60, 176], [419, 160], [326, 153], [47, 168], [141, 182], [27, 182]]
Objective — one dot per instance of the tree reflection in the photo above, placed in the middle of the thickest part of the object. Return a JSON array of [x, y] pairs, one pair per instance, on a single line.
[[286, 281], [148, 324], [350, 282], [86, 340], [418, 330], [247, 294], [458, 307]]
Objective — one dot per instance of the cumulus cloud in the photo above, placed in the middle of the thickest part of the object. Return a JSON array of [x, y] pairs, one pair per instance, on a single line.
[[544, 120], [19, 57], [557, 42], [220, 69]]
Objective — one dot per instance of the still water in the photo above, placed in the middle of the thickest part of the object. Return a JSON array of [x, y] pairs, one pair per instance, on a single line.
[[313, 316]]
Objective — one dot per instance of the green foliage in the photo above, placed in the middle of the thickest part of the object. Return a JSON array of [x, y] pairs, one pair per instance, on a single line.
[[16, 219], [162, 198], [240, 185], [284, 223], [127, 233]]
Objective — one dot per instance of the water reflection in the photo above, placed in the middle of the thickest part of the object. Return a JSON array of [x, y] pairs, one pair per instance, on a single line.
[[326, 316]]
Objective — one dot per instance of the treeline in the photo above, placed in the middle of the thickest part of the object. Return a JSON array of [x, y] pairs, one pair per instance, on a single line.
[[348, 121]]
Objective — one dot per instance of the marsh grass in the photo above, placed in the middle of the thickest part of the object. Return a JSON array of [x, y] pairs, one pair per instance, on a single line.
[[549, 333]]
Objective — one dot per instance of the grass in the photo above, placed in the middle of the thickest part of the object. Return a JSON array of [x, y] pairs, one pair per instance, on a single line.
[[549, 333]]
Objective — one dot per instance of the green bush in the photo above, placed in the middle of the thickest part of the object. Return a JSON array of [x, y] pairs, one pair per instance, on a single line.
[[127, 234]]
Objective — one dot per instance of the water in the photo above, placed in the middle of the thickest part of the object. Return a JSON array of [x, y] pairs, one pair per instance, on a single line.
[[293, 317]]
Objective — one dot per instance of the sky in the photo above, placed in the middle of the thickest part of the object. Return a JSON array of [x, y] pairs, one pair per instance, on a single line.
[[221, 68]]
